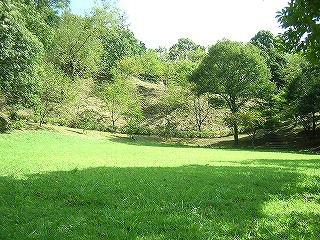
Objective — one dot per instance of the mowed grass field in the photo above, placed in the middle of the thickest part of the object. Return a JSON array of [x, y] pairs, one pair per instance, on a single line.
[[66, 185]]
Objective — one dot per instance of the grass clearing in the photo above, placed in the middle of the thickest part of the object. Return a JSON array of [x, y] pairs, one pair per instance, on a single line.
[[99, 186]]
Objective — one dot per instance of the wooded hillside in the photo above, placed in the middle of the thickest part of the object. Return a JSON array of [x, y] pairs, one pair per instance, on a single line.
[[91, 72]]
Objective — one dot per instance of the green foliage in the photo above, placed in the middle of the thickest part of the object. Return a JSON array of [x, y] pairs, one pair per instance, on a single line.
[[301, 21], [252, 121], [116, 38], [310, 101], [55, 91], [121, 101], [275, 58], [89, 120], [264, 40], [119, 43], [152, 67], [76, 47], [178, 73], [200, 108], [3, 124], [236, 72], [186, 49], [147, 66], [21, 53], [48, 10], [174, 98], [302, 92], [129, 66]]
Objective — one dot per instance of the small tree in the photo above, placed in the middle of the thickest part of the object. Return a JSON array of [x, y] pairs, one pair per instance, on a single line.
[[120, 100], [151, 66], [200, 108], [252, 121], [55, 90]]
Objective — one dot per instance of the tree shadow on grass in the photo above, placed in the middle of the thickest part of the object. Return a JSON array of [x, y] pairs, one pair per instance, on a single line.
[[288, 164], [187, 202]]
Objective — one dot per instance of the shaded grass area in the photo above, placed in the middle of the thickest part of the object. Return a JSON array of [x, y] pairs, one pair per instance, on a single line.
[[285, 139], [61, 186]]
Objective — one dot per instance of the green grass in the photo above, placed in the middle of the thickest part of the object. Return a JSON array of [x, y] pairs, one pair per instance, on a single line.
[[75, 186]]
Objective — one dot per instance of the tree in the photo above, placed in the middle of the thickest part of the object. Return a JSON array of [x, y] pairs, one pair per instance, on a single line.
[[309, 103], [301, 19], [121, 100], [236, 72], [275, 58], [174, 98], [302, 93], [252, 120], [118, 43], [129, 66], [55, 90], [21, 56], [76, 46], [152, 67], [42, 17], [117, 39], [178, 72], [186, 49], [200, 108], [147, 66], [163, 53]]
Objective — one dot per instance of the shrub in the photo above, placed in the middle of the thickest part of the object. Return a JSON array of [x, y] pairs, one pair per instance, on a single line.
[[18, 124], [3, 125]]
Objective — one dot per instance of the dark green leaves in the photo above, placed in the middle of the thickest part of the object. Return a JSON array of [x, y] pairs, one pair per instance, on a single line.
[[301, 21]]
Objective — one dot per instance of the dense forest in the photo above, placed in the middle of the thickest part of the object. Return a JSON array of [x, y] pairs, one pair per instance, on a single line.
[[91, 72]]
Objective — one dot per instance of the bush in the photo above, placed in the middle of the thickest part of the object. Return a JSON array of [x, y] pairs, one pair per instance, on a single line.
[[3, 125], [18, 124]]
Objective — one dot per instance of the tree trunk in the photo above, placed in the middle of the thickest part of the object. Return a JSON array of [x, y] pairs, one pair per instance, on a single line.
[[236, 134], [113, 125], [313, 126]]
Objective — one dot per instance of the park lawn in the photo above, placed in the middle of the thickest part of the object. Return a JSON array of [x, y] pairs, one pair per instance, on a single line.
[[66, 185]]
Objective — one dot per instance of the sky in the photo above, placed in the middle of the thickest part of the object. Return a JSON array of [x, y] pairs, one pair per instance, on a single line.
[[163, 22]]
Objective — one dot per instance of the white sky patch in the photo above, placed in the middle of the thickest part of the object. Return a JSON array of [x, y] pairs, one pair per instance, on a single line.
[[163, 22]]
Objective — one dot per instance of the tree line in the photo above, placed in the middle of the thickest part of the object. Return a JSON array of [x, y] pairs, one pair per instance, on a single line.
[[52, 61]]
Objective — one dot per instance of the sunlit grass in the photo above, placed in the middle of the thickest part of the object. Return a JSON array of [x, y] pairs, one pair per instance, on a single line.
[[76, 186]]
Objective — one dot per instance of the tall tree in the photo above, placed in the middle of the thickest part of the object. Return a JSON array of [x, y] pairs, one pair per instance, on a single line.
[[301, 19], [236, 72], [302, 93], [275, 59], [20, 58], [117, 39]]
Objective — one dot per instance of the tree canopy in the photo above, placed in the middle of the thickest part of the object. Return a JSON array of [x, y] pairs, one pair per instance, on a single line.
[[275, 58], [236, 72], [301, 21], [21, 53]]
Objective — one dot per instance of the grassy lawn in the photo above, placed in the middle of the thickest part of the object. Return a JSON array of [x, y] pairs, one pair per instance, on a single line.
[[98, 186]]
